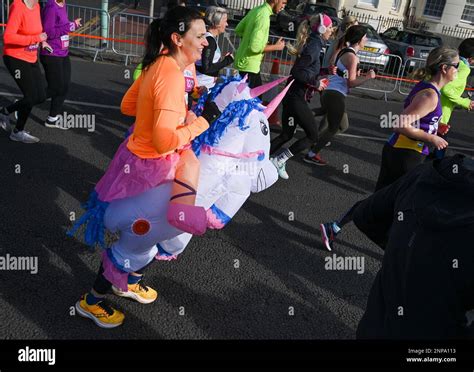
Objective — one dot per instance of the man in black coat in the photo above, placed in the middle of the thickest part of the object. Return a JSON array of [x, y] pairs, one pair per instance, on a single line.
[[425, 223]]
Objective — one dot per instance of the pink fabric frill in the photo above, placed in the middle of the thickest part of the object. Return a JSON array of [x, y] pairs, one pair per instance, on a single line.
[[128, 175]]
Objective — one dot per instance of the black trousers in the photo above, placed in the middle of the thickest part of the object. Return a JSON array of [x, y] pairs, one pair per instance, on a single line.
[[296, 111], [333, 106], [29, 79], [58, 76], [396, 162], [254, 79]]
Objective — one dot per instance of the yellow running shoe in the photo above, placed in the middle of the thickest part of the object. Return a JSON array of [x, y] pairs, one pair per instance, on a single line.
[[138, 292], [102, 314]]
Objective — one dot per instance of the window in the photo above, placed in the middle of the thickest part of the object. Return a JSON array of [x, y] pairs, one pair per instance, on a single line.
[[374, 3], [391, 33], [396, 5], [434, 8], [468, 13]]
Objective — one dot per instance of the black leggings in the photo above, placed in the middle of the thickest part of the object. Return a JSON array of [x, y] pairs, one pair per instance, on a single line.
[[333, 105], [102, 286], [296, 112], [58, 76], [396, 162], [29, 79]]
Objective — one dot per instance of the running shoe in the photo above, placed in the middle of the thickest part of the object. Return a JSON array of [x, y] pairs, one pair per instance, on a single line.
[[328, 234], [55, 124], [316, 159], [328, 144], [23, 136], [5, 123], [281, 168], [101, 313], [138, 292]]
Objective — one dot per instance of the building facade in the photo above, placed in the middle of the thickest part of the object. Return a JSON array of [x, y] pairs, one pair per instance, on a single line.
[[439, 13]]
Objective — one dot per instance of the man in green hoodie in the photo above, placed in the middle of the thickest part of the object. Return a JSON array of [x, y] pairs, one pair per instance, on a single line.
[[254, 29], [451, 94]]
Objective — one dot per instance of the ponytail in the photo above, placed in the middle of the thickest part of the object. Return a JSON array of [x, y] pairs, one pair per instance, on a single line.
[[301, 38], [153, 44]]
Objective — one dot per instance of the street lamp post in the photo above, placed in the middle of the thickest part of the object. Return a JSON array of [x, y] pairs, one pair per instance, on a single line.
[[104, 22]]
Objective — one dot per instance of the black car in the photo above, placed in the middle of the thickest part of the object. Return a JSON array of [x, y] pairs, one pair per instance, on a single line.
[[409, 44], [289, 20]]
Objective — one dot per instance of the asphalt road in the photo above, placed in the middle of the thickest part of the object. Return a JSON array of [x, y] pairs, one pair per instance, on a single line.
[[279, 287]]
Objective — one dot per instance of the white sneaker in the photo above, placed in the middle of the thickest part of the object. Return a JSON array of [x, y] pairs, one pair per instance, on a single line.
[[24, 137], [281, 168], [54, 124], [5, 123]]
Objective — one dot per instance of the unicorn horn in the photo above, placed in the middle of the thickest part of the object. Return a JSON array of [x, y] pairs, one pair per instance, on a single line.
[[276, 101], [242, 84], [257, 91]]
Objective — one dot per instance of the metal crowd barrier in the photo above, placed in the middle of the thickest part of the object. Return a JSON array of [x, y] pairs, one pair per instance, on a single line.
[[411, 64], [95, 22], [132, 28], [387, 68]]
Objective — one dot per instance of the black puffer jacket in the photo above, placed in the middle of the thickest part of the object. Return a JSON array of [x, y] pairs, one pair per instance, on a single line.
[[425, 223], [307, 66]]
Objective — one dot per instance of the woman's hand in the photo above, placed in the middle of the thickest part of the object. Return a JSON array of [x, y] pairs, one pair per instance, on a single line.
[[371, 75], [443, 129], [323, 84], [43, 36], [438, 142], [78, 23], [45, 45], [190, 117]]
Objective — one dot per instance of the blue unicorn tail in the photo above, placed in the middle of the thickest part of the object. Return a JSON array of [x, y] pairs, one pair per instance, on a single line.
[[93, 219]]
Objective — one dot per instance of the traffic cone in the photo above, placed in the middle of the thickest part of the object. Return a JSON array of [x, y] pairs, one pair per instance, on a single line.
[[274, 118]]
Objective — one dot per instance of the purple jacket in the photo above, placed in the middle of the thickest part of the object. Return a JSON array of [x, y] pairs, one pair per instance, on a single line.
[[57, 26]]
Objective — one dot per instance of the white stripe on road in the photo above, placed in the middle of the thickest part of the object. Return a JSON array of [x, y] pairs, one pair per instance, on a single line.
[[78, 103]]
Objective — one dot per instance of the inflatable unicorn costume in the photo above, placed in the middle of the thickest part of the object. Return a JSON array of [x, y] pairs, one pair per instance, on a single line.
[[234, 162]]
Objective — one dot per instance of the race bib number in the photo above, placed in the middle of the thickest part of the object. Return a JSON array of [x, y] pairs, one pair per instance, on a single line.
[[434, 125], [188, 81], [32, 47], [64, 41]]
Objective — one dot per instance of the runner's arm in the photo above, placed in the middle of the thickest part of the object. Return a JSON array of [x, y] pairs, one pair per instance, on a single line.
[[168, 135], [53, 30], [11, 35], [129, 101], [450, 93]]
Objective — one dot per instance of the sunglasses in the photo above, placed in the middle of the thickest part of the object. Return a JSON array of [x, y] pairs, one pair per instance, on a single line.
[[455, 65]]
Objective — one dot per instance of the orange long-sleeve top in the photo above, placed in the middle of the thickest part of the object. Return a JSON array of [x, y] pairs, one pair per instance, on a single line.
[[157, 101], [21, 38]]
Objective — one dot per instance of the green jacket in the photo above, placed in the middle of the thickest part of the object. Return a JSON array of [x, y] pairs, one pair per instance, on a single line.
[[254, 30], [451, 92], [137, 72]]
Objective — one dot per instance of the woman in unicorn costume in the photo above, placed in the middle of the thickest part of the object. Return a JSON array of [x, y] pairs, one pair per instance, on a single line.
[[234, 158]]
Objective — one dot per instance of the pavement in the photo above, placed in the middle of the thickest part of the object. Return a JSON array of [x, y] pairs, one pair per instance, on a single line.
[[262, 277]]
